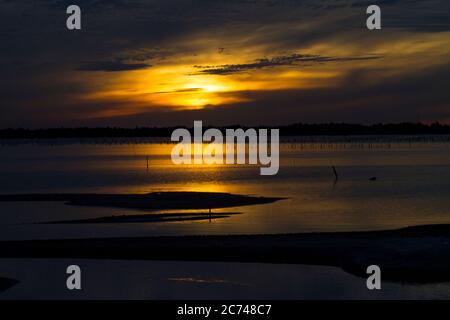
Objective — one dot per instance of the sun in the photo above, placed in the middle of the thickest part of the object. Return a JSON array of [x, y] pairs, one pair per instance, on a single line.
[[199, 94], [213, 88]]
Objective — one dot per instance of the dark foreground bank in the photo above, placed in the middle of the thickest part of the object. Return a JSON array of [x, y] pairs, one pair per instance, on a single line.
[[416, 254]]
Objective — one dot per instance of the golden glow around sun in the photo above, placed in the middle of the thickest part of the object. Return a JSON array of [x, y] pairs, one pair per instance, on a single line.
[[169, 86], [178, 83]]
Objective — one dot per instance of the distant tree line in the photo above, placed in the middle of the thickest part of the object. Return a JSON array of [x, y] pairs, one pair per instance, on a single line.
[[298, 129]]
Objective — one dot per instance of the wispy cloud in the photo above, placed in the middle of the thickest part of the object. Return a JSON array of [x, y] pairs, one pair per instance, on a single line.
[[112, 66], [286, 60], [181, 90]]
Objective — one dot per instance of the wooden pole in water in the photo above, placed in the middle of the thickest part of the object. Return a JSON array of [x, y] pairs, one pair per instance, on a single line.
[[147, 163], [335, 172]]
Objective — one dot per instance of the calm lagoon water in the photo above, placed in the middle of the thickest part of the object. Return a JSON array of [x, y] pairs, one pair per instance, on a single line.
[[412, 188]]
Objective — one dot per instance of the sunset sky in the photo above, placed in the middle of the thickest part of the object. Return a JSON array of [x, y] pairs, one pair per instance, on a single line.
[[254, 62]]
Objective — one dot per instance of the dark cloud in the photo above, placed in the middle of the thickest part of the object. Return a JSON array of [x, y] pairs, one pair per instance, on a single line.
[[366, 3], [93, 4], [143, 54], [287, 60], [112, 66]]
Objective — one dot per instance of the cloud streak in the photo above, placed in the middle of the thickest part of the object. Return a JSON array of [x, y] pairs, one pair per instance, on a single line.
[[112, 66], [278, 61]]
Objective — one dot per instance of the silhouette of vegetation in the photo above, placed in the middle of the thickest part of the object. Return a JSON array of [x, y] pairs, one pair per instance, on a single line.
[[298, 129]]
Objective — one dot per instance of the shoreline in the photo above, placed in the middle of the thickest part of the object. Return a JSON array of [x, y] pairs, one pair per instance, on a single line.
[[418, 254]]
